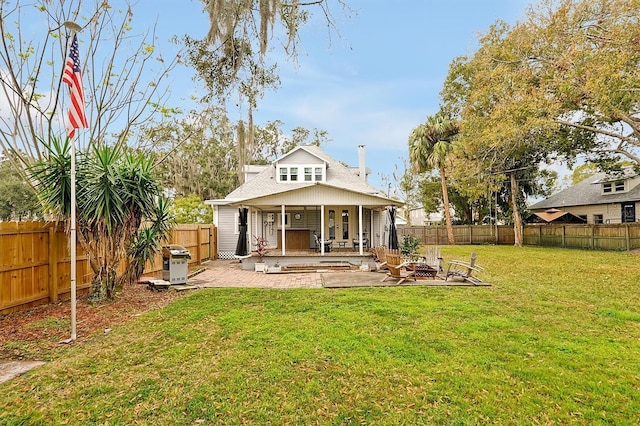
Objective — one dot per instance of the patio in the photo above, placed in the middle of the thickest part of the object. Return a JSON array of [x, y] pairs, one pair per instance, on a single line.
[[230, 273]]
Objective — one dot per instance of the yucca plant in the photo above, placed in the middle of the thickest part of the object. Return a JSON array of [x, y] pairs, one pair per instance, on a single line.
[[116, 192], [148, 241]]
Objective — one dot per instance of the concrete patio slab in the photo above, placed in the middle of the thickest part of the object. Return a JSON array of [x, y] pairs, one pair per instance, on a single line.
[[12, 369]]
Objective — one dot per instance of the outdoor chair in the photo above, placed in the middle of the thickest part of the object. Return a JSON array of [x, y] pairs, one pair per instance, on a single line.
[[464, 270], [397, 269], [432, 258], [328, 244], [380, 257], [355, 244]]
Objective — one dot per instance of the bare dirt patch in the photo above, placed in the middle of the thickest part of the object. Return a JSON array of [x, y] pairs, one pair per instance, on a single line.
[[35, 334]]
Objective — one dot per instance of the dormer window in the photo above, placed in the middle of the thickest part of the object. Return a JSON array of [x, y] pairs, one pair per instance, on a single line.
[[611, 187], [301, 172]]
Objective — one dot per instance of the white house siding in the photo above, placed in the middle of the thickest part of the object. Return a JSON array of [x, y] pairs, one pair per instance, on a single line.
[[309, 219], [300, 157], [611, 213], [317, 195], [227, 235]]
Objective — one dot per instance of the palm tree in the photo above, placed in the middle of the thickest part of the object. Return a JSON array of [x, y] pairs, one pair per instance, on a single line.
[[116, 192], [429, 145]]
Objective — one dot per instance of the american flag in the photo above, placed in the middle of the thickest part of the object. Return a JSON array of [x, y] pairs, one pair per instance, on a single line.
[[73, 77]]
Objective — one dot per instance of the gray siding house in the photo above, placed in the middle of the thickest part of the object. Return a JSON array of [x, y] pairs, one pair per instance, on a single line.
[[300, 196], [602, 198]]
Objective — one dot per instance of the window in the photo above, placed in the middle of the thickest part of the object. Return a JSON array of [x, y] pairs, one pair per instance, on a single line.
[[287, 220], [300, 172], [597, 218], [611, 187], [345, 224]]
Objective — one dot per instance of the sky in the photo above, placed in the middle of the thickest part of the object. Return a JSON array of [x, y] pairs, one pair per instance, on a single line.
[[372, 81]]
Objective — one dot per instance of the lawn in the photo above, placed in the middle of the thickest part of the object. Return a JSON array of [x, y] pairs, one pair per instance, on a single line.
[[556, 339]]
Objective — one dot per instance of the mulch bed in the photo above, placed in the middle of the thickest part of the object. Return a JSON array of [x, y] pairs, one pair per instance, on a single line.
[[35, 334]]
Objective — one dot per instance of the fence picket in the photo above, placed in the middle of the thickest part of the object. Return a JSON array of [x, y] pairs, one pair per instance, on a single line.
[[35, 261]]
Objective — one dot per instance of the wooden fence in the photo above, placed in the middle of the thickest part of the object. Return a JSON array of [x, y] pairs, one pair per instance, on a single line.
[[463, 234], [35, 264], [625, 236]]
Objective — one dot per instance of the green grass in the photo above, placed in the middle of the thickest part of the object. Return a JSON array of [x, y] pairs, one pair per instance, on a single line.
[[554, 340]]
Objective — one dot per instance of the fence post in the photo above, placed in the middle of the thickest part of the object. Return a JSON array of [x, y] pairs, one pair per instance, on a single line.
[[593, 237], [627, 236], [470, 234], [53, 265], [540, 235], [564, 233], [199, 242]]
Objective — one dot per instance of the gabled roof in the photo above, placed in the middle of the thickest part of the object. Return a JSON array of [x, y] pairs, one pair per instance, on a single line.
[[309, 148], [555, 215], [338, 176], [589, 192]]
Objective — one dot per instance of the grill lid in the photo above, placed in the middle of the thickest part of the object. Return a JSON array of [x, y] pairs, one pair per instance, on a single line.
[[174, 250]]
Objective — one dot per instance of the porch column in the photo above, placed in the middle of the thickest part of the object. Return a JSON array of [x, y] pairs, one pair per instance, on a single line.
[[283, 220], [322, 230], [360, 229], [370, 226]]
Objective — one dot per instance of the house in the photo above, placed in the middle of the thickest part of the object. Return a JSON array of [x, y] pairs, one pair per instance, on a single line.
[[419, 217], [554, 216], [304, 197], [602, 198]]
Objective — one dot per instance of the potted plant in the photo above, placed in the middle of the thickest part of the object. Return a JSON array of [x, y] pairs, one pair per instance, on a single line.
[[409, 247], [261, 251]]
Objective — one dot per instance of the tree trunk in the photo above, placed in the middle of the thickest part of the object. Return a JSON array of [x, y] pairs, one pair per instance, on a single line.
[[517, 220], [447, 210]]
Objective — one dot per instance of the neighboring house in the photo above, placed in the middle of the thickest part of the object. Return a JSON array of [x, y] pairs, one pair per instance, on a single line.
[[300, 195], [602, 198], [419, 217]]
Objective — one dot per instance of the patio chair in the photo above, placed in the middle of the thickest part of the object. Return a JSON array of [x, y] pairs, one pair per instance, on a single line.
[[397, 269], [464, 270], [432, 258], [380, 258], [328, 244]]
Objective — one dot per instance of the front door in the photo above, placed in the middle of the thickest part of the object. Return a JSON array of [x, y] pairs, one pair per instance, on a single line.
[[628, 212], [338, 223]]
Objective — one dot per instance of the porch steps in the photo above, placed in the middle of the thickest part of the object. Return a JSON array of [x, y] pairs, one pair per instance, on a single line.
[[326, 266]]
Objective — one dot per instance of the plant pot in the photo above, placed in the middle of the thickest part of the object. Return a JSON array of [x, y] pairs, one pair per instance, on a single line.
[[259, 266]]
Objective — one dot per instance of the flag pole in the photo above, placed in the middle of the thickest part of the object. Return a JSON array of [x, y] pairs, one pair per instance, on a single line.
[[73, 242], [74, 28]]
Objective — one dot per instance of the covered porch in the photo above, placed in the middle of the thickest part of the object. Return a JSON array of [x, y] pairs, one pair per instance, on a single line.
[[311, 260], [317, 221]]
